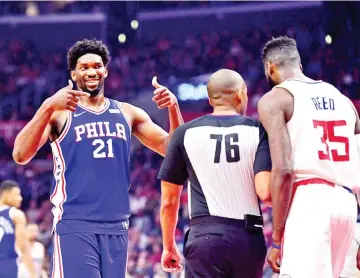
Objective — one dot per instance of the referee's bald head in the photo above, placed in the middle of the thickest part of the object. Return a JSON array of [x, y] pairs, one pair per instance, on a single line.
[[227, 88]]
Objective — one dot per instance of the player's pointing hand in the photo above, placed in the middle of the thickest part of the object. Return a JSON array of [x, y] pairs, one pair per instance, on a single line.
[[66, 98], [163, 97]]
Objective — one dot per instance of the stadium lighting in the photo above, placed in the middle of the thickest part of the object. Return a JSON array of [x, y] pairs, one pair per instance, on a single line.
[[328, 39], [134, 24], [122, 38], [32, 9]]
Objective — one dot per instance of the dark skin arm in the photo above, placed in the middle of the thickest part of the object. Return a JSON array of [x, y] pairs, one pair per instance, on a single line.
[[44, 123], [169, 210], [275, 109], [146, 131], [150, 134]]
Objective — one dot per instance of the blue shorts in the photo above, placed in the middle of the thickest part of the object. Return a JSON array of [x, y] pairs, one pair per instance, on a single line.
[[89, 255], [8, 269]]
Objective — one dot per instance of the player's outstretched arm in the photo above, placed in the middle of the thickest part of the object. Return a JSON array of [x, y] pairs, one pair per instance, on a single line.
[[149, 134], [21, 239], [34, 135], [271, 109]]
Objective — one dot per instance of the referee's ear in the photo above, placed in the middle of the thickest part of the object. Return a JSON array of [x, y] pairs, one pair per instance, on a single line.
[[210, 102], [242, 97]]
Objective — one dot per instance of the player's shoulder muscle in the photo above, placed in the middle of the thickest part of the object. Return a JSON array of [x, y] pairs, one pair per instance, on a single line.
[[17, 216], [277, 98]]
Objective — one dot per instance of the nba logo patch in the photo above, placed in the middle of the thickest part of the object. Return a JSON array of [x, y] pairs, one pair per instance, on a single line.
[[114, 111]]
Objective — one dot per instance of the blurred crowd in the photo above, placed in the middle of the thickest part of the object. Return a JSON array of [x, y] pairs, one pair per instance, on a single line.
[[28, 76], [71, 6]]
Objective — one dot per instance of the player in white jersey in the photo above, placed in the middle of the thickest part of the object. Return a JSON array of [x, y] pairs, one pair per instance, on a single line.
[[37, 253], [350, 269], [311, 128]]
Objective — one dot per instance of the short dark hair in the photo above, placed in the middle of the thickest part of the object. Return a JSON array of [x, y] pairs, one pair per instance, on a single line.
[[87, 46], [281, 50], [7, 185]]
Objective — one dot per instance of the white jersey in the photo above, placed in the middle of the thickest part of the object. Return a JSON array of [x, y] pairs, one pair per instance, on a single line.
[[350, 269], [37, 254], [322, 135]]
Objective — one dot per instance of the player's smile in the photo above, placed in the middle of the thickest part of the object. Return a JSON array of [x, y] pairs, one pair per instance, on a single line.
[[92, 83]]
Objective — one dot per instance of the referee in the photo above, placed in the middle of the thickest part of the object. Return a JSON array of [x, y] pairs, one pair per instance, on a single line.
[[226, 158]]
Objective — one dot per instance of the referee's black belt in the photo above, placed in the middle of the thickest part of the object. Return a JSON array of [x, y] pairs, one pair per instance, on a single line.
[[217, 220]]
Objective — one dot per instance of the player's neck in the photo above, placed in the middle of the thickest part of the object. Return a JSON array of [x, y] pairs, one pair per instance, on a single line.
[[224, 111], [95, 103], [293, 73]]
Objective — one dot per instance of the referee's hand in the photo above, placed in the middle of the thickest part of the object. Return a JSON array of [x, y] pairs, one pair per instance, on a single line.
[[170, 260], [273, 258]]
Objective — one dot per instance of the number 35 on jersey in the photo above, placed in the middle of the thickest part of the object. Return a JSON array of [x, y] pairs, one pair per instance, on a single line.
[[328, 129]]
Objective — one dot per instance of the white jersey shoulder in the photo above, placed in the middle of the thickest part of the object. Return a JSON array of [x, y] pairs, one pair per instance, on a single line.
[[322, 135]]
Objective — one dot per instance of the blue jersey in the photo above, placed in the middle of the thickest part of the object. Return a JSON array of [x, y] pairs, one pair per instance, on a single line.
[[92, 171], [7, 235]]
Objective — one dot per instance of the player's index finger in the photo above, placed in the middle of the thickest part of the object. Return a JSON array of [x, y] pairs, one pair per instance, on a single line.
[[160, 90], [70, 85]]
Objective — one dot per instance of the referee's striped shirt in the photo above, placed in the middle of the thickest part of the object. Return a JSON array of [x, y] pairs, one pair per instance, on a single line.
[[219, 155]]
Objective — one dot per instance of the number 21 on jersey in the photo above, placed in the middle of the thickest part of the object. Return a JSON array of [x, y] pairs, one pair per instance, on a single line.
[[99, 152], [328, 136]]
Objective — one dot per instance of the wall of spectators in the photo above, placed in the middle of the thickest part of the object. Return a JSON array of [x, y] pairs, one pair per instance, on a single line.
[[28, 76]]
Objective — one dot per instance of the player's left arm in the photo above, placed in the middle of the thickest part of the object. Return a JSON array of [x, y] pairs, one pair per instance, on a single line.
[[272, 108], [150, 134]]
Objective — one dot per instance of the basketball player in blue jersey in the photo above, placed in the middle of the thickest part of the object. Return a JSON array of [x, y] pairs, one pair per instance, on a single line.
[[12, 232], [90, 140]]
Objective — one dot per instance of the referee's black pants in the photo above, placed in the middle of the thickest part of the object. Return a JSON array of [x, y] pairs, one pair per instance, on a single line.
[[217, 247]]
